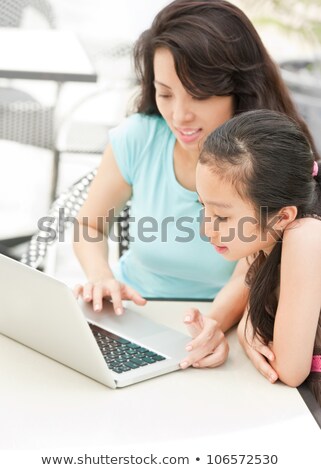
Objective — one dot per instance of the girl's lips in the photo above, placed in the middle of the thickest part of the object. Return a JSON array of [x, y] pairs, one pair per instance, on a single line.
[[188, 135]]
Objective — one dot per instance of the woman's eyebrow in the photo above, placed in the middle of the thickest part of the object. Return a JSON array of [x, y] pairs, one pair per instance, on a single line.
[[156, 82]]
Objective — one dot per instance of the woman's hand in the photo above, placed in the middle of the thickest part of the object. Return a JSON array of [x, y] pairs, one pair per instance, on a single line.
[[209, 348], [258, 353], [96, 290]]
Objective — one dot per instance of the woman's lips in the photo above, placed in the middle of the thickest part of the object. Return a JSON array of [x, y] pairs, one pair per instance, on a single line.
[[188, 135], [220, 249]]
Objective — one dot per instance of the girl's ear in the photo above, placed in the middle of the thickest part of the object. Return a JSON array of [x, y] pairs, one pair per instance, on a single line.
[[286, 215]]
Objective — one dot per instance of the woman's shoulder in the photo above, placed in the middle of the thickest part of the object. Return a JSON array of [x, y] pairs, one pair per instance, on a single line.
[[144, 123], [139, 131], [134, 141]]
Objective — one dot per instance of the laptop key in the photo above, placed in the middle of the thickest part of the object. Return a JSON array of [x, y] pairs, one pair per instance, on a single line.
[[132, 365], [149, 360], [131, 351], [121, 359], [133, 346], [124, 368], [142, 350], [139, 362], [123, 341], [159, 358], [151, 353], [141, 356]]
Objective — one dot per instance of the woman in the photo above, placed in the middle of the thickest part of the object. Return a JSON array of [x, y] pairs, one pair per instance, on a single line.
[[198, 65]]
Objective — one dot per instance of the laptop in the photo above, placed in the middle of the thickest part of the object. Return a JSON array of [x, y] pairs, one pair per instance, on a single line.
[[43, 314]]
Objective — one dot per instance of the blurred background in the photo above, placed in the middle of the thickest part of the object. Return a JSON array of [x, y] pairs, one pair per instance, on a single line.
[[53, 131]]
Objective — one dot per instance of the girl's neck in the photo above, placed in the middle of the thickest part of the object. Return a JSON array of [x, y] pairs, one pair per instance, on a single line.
[[268, 249]]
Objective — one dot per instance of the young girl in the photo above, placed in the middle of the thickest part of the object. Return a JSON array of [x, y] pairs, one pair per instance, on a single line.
[[199, 64], [258, 180]]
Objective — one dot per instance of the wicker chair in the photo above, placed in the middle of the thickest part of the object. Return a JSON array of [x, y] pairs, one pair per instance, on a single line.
[[23, 118], [70, 202], [11, 12]]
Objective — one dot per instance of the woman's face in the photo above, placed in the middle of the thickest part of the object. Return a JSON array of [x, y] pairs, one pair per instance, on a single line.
[[190, 119]]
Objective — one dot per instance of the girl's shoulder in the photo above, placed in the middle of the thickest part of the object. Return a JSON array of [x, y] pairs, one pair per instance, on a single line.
[[305, 232], [311, 216], [305, 222]]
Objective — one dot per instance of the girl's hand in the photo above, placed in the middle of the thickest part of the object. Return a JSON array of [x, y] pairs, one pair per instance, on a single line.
[[209, 348], [96, 291], [258, 353]]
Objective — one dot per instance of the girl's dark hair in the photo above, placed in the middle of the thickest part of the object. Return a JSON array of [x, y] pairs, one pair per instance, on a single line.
[[216, 51], [269, 161]]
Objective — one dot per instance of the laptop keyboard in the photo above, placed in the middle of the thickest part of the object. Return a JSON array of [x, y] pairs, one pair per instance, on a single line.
[[120, 354]]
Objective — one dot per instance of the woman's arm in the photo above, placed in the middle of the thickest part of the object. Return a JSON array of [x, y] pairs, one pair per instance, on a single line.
[[108, 194], [229, 304], [299, 302]]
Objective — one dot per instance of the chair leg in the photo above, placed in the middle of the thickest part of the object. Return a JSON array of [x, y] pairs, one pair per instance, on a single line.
[[12, 242], [55, 174], [5, 250]]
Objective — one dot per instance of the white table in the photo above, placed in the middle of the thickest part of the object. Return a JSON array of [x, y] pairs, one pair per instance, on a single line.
[[45, 405], [44, 55]]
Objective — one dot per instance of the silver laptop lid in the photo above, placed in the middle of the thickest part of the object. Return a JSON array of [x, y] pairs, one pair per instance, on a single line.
[[42, 313]]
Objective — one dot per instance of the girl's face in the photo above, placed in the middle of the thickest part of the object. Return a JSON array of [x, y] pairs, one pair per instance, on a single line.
[[230, 222], [190, 119]]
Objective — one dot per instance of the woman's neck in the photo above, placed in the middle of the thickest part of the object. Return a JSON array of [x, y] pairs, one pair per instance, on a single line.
[[185, 166], [191, 155]]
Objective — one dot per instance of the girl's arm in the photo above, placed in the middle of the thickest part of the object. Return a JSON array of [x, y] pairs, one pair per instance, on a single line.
[[289, 356], [108, 194], [259, 354], [299, 302], [209, 347]]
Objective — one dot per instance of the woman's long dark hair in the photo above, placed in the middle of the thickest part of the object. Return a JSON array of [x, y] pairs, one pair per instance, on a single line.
[[269, 161], [216, 51]]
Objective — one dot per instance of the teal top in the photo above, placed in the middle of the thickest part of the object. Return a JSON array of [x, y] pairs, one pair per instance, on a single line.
[[168, 256]]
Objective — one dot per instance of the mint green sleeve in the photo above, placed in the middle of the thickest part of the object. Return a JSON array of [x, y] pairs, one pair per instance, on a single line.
[[128, 141]]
